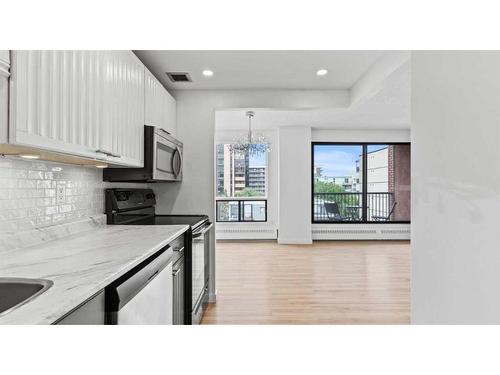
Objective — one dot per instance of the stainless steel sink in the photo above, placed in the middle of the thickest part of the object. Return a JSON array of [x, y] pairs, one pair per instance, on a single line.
[[15, 292]]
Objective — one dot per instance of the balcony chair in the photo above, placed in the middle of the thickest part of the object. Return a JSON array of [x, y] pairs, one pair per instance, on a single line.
[[333, 212], [385, 218]]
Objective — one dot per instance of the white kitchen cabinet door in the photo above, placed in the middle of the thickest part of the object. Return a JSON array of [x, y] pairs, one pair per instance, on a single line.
[[169, 113], [152, 99], [4, 57], [160, 106], [123, 133], [56, 101], [83, 103], [4, 94]]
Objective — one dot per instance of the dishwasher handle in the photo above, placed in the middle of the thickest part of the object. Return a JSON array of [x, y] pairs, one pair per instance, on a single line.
[[126, 287], [203, 230]]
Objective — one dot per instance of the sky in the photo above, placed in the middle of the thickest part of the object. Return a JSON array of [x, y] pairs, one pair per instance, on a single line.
[[339, 160], [258, 160], [336, 160]]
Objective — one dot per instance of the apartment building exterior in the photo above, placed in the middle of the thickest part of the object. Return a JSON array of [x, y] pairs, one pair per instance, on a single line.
[[234, 173]]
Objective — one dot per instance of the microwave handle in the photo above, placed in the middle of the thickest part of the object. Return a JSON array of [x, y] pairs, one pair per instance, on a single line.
[[179, 169], [180, 161]]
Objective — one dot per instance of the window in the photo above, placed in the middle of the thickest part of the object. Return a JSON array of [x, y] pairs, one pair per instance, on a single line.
[[375, 183], [241, 183], [241, 210]]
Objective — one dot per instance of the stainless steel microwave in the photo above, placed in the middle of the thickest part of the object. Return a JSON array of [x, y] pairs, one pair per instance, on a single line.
[[162, 160]]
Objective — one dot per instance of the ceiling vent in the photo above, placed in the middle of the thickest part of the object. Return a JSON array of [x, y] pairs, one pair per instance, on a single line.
[[179, 77]]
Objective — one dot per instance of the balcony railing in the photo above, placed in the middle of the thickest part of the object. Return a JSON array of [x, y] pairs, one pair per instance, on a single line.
[[349, 206], [231, 210]]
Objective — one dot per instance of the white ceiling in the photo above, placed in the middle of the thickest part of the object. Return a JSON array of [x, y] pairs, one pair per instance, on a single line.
[[261, 69], [387, 108]]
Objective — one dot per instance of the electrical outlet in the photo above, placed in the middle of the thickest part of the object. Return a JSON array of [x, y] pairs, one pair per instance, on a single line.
[[60, 193]]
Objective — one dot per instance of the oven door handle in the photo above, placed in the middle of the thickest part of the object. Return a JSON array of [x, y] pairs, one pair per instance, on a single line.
[[204, 230]]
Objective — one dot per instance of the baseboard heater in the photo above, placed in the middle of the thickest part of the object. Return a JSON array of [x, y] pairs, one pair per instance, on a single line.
[[367, 233], [246, 234]]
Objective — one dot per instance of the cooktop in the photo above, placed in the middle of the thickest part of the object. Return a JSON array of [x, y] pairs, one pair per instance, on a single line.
[[191, 220]]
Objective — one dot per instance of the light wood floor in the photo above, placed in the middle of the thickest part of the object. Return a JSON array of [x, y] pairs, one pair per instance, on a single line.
[[329, 282]]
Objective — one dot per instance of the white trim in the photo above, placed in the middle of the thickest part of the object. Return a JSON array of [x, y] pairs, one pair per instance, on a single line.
[[245, 231], [4, 69], [293, 241], [360, 136], [361, 231], [212, 297]]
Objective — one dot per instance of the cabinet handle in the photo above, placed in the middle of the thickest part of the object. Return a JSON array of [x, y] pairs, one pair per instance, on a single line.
[[175, 273], [108, 153]]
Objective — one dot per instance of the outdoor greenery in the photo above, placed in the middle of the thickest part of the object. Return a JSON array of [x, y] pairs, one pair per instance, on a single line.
[[342, 200], [248, 192], [327, 187]]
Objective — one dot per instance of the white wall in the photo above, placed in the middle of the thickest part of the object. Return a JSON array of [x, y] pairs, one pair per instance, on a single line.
[[326, 135], [455, 187], [196, 127], [295, 185]]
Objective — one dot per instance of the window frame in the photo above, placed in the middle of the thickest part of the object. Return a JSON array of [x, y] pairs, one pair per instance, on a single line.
[[241, 207], [364, 193]]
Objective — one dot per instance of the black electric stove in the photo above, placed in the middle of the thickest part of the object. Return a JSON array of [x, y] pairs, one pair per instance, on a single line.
[[137, 207]]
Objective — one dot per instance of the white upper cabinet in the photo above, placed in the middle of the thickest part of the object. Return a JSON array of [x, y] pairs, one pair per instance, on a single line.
[[123, 133], [161, 109], [4, 94], [84, 103], [4, 58]]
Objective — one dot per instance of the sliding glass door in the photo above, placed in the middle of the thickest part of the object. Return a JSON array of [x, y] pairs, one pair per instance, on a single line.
[[360, 183]]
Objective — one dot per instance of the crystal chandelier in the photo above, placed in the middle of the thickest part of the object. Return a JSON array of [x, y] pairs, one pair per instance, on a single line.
[[253, 144]]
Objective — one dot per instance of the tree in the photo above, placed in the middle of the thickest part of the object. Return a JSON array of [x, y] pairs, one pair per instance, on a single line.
[[327, 187], [248, 192]]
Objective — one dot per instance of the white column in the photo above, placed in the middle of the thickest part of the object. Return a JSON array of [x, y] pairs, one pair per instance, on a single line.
[[295, 185]]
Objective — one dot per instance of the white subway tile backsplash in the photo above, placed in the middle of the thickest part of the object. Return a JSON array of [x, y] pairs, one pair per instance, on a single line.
[[7, 204], [19, 173], [26, 184], [43, 184], [51, 210], [35, 175], [28, 193], [5, 194], [26, 203], [5, 163]]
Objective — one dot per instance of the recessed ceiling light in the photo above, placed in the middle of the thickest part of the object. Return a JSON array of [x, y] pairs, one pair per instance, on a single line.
[[207, 73], [102, 166], [322, 72], [29, 156]]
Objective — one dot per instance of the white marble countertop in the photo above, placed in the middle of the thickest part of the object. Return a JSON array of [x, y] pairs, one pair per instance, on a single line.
[[80, 265]]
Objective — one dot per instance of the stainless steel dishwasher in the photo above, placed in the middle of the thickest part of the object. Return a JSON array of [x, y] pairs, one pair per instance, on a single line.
[[144, 294], [178, 275]]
